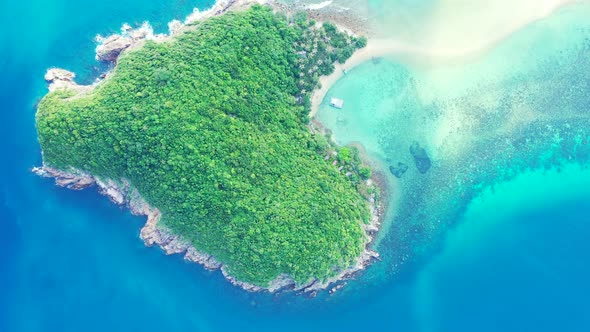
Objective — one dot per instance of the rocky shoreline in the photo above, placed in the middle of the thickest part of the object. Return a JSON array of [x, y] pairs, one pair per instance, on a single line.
[[111, 47], [152, 233], [122, 192]]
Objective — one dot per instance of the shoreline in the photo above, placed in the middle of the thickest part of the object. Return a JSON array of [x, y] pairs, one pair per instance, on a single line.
[[111, 47], [384, 47], [123, 194]]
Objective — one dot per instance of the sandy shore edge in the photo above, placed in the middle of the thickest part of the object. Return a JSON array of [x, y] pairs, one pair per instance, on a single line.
[[377, 48]]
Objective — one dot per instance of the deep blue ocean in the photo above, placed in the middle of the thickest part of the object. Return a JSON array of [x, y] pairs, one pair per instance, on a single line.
[[517, 260]]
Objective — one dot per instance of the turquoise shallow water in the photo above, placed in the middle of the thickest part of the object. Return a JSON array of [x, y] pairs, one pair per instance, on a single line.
[[481, 120], [514, 262], [487, 240]]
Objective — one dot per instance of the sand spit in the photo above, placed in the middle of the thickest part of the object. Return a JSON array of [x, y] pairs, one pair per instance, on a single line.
[[414, 53]]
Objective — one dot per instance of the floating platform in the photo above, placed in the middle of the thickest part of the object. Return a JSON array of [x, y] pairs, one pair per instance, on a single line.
[[335, 102]]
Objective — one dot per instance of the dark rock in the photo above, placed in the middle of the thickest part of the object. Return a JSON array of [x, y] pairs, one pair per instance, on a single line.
[[111, 47], [398, 170], [423, 162]]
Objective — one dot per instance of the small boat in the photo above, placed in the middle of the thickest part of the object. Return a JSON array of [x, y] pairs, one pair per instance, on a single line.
[[335, 102]]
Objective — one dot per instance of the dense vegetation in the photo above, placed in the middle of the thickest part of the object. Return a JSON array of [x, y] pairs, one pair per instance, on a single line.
[[211, 128]]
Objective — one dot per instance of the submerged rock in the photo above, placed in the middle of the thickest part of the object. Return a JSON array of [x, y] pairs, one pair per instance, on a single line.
[[336, 288], [423, 162], [398, 170]]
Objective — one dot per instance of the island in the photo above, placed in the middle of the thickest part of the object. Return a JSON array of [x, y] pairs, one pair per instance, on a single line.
[[207, 132]]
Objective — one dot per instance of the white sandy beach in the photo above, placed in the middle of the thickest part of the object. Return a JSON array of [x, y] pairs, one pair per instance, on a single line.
[[448, 37]]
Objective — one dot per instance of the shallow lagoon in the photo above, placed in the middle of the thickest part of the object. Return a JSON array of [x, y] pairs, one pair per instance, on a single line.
[[520, 106], [483, 254]]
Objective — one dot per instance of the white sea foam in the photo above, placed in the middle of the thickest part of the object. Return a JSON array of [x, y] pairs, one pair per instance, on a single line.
[[320, 5]]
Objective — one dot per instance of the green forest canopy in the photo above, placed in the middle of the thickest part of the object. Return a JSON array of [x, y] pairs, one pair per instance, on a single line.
[[211, 128]]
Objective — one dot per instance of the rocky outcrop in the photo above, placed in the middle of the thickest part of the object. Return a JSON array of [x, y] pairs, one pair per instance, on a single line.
[[399, 170], [122, 193], [174, 26], [208, 261], [423, 162], [60, 79], [220, 7], [152, 234], [367, 257], [57, 74], [77, 181], [63, 79], [111, 47], [113, 190], [244, 285]]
